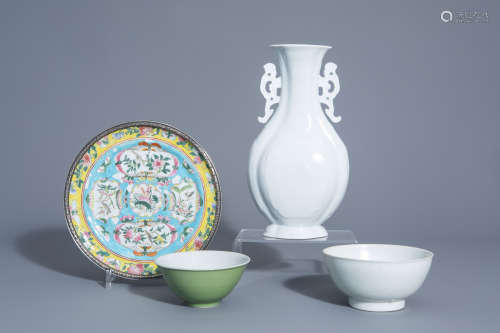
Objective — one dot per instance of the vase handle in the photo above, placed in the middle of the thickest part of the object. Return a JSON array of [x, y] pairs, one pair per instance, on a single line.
[[269, 85], [329, 85]]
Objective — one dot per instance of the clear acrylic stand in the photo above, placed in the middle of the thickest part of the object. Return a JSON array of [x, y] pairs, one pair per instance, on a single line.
[[108, 278], [310, 247], [335, 237]]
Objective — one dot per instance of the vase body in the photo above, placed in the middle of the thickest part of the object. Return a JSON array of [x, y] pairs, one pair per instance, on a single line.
[[298, 168]]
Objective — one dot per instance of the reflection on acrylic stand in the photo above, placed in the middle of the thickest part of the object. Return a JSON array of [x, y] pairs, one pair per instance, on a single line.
[[249, 237]]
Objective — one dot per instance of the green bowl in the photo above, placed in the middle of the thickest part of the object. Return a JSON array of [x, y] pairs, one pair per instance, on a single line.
[[202, 278]]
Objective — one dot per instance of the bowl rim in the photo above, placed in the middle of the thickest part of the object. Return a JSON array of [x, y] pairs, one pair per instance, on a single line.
[[428, 254], [172, 267]]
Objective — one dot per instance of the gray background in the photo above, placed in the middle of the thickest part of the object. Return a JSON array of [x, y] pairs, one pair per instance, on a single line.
[[420, 108]]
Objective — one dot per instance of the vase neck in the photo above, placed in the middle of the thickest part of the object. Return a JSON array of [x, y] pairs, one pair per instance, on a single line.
[[300, 67]]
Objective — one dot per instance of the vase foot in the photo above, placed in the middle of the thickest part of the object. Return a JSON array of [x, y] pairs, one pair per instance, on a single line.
[[288, 232], [203, 305], [383, 306]]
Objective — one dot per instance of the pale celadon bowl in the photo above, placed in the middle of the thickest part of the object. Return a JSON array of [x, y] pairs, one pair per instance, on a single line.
[[202, 278], [377, 277]]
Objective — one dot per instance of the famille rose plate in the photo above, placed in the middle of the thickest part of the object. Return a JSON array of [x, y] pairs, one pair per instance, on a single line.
[[140, 190]]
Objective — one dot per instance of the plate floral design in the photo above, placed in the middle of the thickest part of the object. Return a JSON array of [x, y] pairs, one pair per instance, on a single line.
[[140, 190], [145, 238], [104, 199]]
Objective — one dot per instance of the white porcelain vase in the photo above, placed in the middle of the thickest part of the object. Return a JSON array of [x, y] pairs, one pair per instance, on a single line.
[[299, 167]]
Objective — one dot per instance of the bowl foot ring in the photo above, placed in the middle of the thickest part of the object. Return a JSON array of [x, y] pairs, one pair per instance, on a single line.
[[377, 306], [203, 305]]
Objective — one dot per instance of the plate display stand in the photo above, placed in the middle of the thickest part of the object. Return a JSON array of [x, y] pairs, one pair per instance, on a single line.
[[108, 278], [310, 249]]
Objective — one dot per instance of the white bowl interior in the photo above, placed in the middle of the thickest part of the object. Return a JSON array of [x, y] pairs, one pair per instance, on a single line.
[[377, 252], [202, 260]]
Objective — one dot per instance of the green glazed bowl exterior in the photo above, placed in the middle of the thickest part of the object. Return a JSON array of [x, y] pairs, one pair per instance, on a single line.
[[202, 278], [202, 289]]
